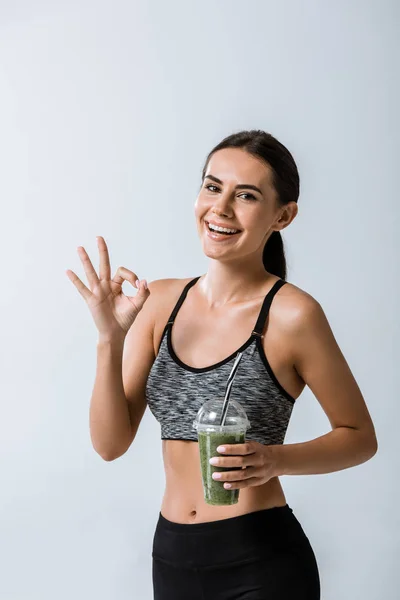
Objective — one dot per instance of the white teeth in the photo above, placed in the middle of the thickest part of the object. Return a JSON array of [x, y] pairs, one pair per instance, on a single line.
[[222, 229]]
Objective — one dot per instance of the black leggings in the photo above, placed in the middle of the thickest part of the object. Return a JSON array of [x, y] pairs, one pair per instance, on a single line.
[[262, 555]]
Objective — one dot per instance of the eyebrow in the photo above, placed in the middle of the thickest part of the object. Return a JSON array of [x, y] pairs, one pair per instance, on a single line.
[[240, 186]]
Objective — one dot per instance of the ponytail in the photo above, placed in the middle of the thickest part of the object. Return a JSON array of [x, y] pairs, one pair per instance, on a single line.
[[274, 259]]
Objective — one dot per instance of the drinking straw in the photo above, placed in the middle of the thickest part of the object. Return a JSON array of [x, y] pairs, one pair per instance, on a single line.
[[229, 386]]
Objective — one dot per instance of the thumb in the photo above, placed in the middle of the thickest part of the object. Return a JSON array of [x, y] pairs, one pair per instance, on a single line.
[[142, 294]]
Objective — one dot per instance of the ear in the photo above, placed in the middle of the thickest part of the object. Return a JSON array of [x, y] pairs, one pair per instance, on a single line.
[[286, 216]]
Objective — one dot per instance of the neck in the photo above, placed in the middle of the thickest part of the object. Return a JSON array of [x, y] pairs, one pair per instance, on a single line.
[[229, 283]]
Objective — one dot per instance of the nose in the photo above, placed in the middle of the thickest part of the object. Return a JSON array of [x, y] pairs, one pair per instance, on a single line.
[[222, 205]]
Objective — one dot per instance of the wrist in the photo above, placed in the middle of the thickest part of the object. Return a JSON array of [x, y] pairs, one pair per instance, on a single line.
[[108, 340], [277, 455]]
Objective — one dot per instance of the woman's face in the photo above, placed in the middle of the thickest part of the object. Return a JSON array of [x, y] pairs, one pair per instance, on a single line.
[[227, 198]]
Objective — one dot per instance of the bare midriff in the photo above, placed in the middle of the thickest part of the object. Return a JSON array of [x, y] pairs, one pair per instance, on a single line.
[[183, 500]]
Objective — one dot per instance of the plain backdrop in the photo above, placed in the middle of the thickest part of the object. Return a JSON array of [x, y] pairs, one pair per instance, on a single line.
[[107, 113]]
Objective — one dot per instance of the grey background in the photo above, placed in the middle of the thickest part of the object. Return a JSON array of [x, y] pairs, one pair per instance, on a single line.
[[107, 112]]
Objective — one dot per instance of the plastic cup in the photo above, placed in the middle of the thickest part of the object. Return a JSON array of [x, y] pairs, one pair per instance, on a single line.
[[211, 435]]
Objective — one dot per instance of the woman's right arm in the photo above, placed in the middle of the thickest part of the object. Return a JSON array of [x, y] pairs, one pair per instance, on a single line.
[[118, 399], [125, 349]]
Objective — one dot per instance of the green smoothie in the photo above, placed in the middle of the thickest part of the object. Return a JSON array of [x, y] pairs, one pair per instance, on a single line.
[[214, 491]]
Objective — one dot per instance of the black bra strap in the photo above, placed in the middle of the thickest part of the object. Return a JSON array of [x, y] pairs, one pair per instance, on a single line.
[[181, 299], [258, 329]]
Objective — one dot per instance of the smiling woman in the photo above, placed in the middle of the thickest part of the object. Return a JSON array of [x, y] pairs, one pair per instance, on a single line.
[[171, 348], [249, 193]]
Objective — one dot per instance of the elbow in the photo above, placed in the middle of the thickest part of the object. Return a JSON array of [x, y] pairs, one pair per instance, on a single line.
[[110, 456], [368, 433], [109, 452], [107, 456], [367, 444], [373, 442], [371, 446], [374, 446]]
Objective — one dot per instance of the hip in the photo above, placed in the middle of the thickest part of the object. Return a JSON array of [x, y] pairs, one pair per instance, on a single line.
[[264, 550]]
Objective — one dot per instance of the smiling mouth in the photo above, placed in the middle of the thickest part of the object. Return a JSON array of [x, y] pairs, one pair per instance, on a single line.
[[221, 234]]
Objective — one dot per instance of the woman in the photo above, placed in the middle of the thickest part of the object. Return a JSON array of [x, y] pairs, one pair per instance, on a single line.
[[172, 347]]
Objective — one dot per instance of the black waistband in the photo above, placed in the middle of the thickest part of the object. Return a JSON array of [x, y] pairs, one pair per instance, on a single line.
[[234, 540], [267, 516]]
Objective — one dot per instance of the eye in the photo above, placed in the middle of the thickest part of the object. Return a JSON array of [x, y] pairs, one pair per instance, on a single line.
[[244, 194], [249, 195]]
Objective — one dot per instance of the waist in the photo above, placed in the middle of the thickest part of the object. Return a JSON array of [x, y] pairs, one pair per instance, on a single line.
[[184, 504], [232, 540], [183, 500]]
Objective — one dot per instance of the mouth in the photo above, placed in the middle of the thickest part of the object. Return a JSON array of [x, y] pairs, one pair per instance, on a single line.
[[218, 235]]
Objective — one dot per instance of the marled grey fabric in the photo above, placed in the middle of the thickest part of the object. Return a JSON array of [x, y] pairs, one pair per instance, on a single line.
[[175, 393]]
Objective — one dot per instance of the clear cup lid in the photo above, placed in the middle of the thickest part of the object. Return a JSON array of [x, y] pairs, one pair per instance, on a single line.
[[210, 415]]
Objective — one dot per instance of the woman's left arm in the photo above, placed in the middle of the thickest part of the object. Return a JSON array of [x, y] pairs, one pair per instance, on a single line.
[[319, 361]]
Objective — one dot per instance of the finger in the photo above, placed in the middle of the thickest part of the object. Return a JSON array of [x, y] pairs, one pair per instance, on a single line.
[[104, 268], [232, 461], [237, 485], [122, 274], [256, 460], [89, 269], [235, 475], [142, 295], [80, 286], [245, 448]]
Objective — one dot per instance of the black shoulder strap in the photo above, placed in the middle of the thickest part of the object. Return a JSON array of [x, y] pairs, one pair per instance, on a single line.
[[181, 299], [258, 329]]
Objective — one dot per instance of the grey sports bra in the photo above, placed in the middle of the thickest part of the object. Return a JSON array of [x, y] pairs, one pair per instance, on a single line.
[[176, 391]]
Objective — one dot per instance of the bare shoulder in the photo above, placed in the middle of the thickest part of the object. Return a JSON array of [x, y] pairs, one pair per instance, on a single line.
[[141, 342], [320, 363], [165, 294], [294, 309], [162, 293], [303, 327], [166, 290], [168, 285]]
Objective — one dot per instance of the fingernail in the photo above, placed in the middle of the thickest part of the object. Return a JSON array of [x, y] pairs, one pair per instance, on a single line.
[[216, 475], [221, 449], [137, 283], [145, 284]]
